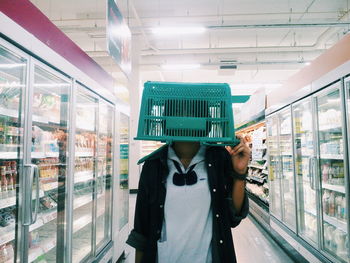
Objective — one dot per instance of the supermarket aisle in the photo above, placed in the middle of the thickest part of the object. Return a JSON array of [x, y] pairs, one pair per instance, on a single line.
[[251, 244]]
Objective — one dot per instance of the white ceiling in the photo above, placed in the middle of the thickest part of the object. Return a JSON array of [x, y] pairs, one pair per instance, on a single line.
[[258, 35]]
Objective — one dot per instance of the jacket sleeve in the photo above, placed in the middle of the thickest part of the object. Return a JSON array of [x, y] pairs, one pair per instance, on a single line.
[[235, 216], [138, 236]]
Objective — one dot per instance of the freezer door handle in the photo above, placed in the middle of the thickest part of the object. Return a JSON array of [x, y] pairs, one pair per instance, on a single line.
[[37, 193], [311, 173], [32, 175], [99, 185]]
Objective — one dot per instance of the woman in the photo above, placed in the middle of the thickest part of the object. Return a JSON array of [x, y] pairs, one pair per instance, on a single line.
[[189, 198]]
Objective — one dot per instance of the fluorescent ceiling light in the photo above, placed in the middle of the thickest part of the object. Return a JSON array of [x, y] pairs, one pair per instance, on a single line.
[[170, 31], [180, 66]]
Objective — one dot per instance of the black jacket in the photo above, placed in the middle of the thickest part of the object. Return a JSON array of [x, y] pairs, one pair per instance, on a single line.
[[149, 213]]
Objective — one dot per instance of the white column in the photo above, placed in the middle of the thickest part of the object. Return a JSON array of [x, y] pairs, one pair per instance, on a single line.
[[135, 95]]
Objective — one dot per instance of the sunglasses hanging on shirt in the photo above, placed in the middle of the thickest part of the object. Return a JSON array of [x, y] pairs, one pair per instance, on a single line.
[[181, 179]]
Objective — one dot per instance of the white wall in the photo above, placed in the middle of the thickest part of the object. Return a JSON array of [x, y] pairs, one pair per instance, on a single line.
[[134, 89]]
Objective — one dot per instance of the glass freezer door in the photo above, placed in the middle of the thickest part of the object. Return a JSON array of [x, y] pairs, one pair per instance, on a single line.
[[84, 175], [12, 86], [104, 175], [274, 166], [331, 171], [287, 171], [49, 151], [305, 177], [123, 204]]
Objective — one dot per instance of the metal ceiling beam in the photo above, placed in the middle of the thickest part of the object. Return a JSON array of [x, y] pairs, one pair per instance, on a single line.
[[141, 28], [138, 19], [228, 50], [204, 17], [287, 25], [243, 63]]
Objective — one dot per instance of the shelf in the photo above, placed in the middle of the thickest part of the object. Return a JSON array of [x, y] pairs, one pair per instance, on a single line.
[[305, 156], [8, 155], [9, 112], [256, 166], [259, 159], [336, 188], [44, 120], [49, 186], [42, 155], [85, 129], [332, 156], [43, 219], [333, 221], [80, 177], [286, 134], [11, 200], [262, 202], [51, 243], [286, 154], [257, 179], [44, 247], [302, 132], [84, 154], [81, 201], [40, 165], [310, 212], [85, 220], [7, 235], [331, 129]]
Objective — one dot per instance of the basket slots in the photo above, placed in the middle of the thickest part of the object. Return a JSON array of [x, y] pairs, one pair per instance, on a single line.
[[186, 112]]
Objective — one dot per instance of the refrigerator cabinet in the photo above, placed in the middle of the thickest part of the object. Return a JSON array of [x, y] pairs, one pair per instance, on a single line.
[[287, 169], [274, 166], [331, 166], [304, 161], [14, 71]]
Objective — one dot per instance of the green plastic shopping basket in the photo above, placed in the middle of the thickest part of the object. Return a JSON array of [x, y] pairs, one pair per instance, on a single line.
[[173, 111]]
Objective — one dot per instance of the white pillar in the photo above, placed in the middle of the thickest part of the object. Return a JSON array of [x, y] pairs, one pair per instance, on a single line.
[[134, 89]]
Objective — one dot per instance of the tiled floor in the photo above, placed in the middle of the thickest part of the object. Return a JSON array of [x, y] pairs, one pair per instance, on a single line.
[[251, 244]]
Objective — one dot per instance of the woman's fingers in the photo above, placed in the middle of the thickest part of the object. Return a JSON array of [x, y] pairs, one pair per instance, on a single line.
[[238, 149], [242, 146]]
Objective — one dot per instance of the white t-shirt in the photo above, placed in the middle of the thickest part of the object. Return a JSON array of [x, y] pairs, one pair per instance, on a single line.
[[187, 227]]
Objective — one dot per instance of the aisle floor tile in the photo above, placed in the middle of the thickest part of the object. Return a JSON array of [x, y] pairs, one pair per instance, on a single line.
[[251, 244]]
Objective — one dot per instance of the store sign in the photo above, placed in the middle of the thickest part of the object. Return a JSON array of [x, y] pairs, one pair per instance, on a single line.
[[118, 38]]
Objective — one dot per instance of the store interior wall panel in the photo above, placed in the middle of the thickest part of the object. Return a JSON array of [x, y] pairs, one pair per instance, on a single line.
[[330, 77], [44, 30], [328, 61], [30, 43]]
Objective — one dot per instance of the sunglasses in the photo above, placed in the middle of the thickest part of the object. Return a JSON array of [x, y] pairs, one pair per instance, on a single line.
[[181, 179]]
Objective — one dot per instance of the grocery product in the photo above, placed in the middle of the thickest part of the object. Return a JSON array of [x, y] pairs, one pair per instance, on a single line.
[[326, 201], [313, 225], [339, 242], [331, 210], [47, 203], [328, 234], [6, 219], [3, 179]]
